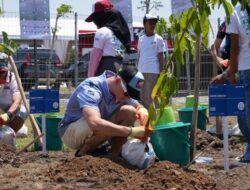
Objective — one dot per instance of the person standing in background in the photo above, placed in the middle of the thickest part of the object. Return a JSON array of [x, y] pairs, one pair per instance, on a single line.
[[239, 30], [221, 58], [112, 34], [151, 57]]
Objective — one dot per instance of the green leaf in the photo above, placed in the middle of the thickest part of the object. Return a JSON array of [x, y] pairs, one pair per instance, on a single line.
[[205, 29], [183, 20], [152, 115], [228, 9], [196, 23], [8, 46], [64, 9], [157, 85], [234, 2], [180, 46], [161, 27]]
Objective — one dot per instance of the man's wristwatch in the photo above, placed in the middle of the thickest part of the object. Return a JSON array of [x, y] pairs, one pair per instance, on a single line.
[[10, 115]]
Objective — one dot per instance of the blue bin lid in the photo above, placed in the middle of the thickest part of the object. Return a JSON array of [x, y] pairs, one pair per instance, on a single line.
[[171, 125], [200, 108]]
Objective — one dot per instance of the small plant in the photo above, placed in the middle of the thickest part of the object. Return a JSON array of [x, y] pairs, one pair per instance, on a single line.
[[188, 30], [7, 46]]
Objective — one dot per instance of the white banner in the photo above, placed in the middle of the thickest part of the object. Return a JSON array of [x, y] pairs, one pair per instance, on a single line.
[[125, 7], [179, 6], [34, 19]]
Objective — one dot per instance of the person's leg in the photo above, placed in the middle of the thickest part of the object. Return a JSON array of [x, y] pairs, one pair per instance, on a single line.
[[218, 125], [79, 136], [244, 121], [125, 115], [150, 80], [23, 131], [91, 143]]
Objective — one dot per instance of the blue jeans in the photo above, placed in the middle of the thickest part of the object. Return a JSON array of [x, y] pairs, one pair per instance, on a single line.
[[244, 121]]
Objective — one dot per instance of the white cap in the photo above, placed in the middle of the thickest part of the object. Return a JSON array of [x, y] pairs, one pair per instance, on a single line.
[[150, 17]]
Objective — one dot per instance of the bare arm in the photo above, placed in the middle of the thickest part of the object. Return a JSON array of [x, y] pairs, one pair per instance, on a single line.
[[16, 102], [234, 53], [95, 57], [215, 50], [102, 126]]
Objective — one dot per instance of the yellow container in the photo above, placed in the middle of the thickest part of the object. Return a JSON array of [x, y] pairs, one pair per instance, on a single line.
[[167, 116]]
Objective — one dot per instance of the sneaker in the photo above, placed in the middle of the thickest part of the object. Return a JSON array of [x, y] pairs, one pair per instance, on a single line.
[[245, 158], [241, 160], [77, 153], [212, 130], [235, 131], [101, 150]]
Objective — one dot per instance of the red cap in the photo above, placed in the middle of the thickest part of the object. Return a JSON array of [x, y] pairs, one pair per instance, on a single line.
[[99, 6]]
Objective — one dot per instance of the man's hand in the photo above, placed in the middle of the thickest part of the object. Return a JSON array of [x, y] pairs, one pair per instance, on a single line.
[[219, 79], [224, 63], [4, 118], [137, 132], [142, 115], [233, 77]]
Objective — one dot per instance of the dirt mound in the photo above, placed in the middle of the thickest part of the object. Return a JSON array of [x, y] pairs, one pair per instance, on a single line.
[[8, 155], [107, 173], [204, 139]]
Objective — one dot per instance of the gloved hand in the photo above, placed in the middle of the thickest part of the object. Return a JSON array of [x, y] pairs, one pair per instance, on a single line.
[[137, 132], [142, 115], [4, 118]]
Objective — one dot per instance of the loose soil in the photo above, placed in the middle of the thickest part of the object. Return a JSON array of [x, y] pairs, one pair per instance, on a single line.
[[61, 170]]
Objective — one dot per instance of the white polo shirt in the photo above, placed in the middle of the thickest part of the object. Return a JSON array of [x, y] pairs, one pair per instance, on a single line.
[[8, 91], [149, 48], [107, 41]]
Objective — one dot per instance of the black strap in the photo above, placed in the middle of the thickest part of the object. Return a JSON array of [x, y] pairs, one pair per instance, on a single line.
[[248, 12]]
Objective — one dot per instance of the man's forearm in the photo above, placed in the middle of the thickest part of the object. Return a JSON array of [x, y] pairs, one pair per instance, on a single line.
[[234, 52], [108, 128], [16, 104]]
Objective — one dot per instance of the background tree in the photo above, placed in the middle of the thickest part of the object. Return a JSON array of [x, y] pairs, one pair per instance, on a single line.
[[148, 5], [61, 11]]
